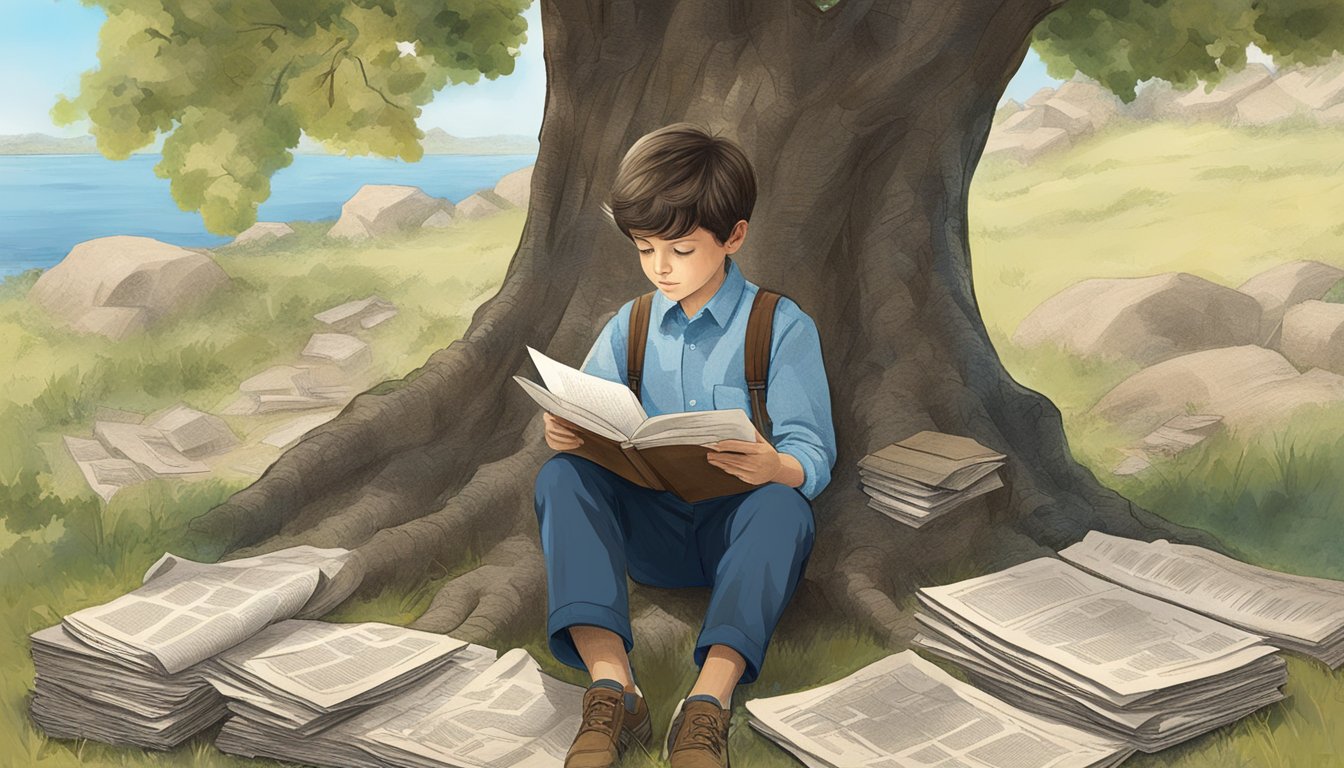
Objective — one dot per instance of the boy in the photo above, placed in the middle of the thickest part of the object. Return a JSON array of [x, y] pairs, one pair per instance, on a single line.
[[684, 197]]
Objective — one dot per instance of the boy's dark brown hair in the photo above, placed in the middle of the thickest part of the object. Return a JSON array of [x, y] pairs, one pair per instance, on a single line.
[[679, 177]]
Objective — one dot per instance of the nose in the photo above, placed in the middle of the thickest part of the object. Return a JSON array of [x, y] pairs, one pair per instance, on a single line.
[[662, 265]]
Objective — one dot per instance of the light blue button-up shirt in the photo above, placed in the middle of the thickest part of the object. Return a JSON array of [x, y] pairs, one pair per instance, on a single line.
[[696, 364]]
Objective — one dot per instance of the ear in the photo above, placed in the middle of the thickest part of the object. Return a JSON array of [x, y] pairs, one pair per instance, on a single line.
[[738, 234]]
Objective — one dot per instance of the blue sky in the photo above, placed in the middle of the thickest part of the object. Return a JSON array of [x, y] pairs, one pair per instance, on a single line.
[[46, 44]]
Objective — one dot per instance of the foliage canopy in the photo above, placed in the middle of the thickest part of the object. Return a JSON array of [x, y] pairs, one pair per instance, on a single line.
[[233, 82], [1121, 43]]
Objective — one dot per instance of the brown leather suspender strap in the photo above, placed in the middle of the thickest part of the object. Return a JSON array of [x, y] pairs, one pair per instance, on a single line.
[[635, 343], [756, 355]]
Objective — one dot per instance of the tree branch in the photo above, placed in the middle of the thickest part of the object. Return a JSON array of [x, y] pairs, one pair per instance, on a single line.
[[370, 85], [261, 25]]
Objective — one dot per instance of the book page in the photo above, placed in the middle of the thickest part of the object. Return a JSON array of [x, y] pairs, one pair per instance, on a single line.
[[554, 405], [695, 427], [611, 401]]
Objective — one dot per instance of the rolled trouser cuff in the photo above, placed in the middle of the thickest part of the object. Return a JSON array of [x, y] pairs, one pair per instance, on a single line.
[[591, 614]]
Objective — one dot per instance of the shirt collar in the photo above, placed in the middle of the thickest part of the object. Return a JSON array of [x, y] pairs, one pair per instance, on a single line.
[[721, 305]]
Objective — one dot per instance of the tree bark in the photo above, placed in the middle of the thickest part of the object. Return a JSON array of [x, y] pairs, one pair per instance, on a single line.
[[865, 124]]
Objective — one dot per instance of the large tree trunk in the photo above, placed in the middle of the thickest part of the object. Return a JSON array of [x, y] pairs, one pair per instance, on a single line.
[[865, 124]]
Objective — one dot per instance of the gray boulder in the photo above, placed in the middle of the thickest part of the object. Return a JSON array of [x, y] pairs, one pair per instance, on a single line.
[[1249, 386], [194, 433], [1331, 116], [1096, 101], [1143, 319], [381, 209], [263, 230], [1267, 105], [1073, 119], [117, 286], [361, 313], [343, 350], [1025, 146], [516, 187], [1040, 96], [1007, 109], [1285, 285], [1318, 88], [482, 204], [1153, 100], [1313, 336], [441, 219], [1221, 101]]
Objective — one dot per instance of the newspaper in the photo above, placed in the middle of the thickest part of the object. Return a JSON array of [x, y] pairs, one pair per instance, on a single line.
[[80, 693], [510, 715], [1068, 620], [902, 710], [1298, 613], [925, 476], [187, 612], [1060, 642], [346, 743], [307, 674]]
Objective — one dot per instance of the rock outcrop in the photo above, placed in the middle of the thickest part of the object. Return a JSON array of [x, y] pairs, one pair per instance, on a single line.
[[482, 204], [381, 209], [1142, 319], [1313, 336], [1281, 287], [1254, 96], [262, 231], [1249, 386], [361, 313], [515, 188], [117, 286]]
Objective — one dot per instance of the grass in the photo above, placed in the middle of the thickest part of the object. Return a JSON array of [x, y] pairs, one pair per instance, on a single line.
[[1135, 200]]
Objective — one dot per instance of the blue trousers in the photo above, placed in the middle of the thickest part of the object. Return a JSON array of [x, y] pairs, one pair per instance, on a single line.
[[751, 548]]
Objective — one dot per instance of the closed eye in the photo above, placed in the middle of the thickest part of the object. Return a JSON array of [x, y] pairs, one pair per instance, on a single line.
[[647, 251]]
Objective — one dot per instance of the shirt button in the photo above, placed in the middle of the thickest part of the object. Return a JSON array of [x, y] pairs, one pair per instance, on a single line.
[[692, 346], [692, 402]]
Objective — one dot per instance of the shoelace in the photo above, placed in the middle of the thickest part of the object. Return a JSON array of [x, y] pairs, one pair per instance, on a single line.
[[600, 713], [706, 730]]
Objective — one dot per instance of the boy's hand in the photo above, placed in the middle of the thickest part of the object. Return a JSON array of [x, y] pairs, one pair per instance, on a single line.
[[560, 434], [754, 463]]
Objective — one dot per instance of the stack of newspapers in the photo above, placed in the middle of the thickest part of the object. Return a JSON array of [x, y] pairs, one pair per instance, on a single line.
[[1296, 613], [475, 711], [927, 475], [1058, 641], [130, 671], [303, 676], [903, 710]]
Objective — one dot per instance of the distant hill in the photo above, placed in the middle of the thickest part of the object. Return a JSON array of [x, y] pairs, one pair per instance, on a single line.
[[437, 142], [42, 144]]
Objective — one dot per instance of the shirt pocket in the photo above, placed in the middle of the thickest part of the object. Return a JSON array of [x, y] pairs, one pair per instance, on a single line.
[[727, 396]]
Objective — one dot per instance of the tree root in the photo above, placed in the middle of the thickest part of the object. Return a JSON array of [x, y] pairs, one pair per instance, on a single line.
[[496, 502], [496, 598]]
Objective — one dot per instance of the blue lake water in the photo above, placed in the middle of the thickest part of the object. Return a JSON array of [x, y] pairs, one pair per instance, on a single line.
[[48, 203]]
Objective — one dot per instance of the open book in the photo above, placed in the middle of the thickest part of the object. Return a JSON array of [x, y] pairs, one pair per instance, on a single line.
[[665, 453]]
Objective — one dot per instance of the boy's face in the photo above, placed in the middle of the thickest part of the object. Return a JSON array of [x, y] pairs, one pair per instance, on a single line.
[[687, 267]]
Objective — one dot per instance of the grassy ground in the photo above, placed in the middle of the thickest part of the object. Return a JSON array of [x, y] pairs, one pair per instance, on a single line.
[[1221, 203]]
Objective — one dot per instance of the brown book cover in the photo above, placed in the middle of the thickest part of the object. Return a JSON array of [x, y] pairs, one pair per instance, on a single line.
[[681, 469]]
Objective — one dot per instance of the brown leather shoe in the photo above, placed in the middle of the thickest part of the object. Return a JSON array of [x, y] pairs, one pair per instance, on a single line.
[[698, 736], [607, 728]]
